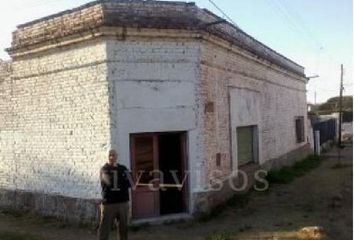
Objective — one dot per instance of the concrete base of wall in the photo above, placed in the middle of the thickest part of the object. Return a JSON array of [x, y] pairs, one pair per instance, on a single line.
[[205, 201], [289, 158], [69, 209], [85, 210]]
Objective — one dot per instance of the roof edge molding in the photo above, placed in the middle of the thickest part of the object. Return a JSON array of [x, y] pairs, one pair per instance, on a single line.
[[140, 14]]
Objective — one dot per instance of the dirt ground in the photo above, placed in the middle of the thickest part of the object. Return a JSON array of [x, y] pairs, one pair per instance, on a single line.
[[323, 197]]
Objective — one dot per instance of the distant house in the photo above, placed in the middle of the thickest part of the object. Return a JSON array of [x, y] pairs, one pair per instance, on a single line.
[[310, 107], [171, 86]]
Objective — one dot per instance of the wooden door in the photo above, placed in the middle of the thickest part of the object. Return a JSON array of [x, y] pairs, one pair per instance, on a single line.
[[144, 159]]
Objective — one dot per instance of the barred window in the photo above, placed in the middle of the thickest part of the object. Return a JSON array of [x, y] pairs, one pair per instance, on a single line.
[[300, 129]]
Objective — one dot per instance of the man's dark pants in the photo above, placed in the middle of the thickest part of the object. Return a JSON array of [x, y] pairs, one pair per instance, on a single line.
[[109, 213]]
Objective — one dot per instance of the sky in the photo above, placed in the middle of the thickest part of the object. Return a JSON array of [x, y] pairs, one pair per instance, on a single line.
[[317, 34]]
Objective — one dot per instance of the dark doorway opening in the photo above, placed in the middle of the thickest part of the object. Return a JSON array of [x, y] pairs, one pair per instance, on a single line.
[[170, 155]]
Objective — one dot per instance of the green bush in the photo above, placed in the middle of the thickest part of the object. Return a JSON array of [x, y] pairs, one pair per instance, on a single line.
[[288, 174]]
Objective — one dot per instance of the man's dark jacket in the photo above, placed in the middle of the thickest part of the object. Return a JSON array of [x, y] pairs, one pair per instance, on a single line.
[[115, 184]]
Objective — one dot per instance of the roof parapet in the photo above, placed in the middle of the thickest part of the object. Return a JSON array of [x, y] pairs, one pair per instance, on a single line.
[[141, 14]]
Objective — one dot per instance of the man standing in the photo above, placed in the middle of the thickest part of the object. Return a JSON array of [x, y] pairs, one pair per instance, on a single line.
[[115, 198]]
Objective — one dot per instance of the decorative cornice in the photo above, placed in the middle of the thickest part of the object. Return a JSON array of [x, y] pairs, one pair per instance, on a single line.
[[88, 21]]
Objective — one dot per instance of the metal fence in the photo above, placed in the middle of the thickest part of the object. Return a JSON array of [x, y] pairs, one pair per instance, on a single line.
[[327, 130]]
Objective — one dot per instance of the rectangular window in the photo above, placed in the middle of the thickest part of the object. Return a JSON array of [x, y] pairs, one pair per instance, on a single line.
[[300, 129], [246, 145]]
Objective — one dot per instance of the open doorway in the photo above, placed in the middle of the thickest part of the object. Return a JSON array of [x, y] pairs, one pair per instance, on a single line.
[[170, 156], [161, 157]]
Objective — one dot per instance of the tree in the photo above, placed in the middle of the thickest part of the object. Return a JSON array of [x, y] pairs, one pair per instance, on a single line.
[[332, 105]]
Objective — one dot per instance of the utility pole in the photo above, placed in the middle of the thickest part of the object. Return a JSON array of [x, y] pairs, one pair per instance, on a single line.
[[315, 98], [340, 106]]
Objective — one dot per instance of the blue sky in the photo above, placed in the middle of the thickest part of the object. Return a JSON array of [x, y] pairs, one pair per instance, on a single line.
[[317, 34]]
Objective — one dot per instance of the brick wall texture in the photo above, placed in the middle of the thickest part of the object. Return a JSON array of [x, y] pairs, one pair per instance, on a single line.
[[54, 122], [282, 96]]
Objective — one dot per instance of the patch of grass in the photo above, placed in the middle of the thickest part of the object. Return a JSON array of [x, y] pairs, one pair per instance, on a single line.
[[139, 227], [288, 174], [43, 220], [213, 213], [236, 201], [239, 200], [340, 165], [245, 228], [187, 224], [218, 236], [14, 212], [175, 221], [16, 236]]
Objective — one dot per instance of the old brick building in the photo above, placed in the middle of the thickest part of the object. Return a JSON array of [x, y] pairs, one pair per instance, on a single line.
[[169, 85]]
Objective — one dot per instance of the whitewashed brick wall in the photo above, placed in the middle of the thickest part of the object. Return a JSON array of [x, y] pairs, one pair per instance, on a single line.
[[156, 86], [83, 80], [71, 104], [60, 131], [282, 97], [6, 126]]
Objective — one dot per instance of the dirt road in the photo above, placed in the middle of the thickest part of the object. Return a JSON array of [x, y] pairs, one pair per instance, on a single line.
[[323, 197]]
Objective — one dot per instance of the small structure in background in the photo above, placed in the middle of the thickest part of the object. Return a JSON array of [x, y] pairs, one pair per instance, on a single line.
[[347, 132], [325, 119], [327, 130]]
